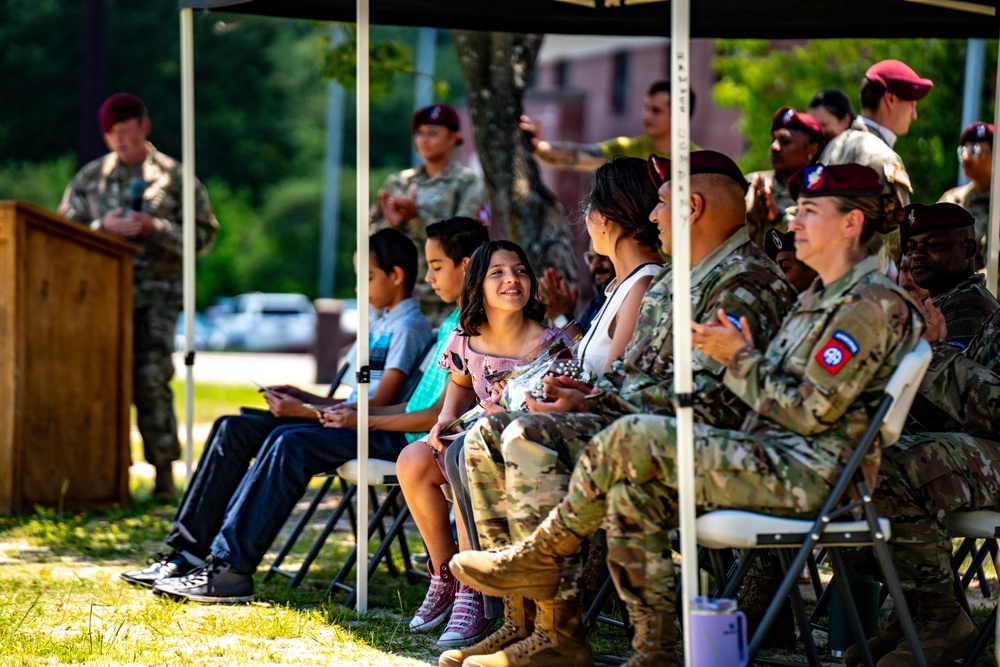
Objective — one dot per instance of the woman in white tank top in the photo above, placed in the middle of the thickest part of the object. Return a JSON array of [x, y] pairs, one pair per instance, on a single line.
[[617, 219]]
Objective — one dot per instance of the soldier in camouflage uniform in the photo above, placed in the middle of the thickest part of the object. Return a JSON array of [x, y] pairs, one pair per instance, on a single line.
[[889, 95], [796, 141], [976, 154], [439, 189], [940, 242], [519, 464], [135, 192], [811, 393]]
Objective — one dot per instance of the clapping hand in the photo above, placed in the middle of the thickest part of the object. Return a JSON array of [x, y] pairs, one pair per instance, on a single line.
[[721, 340]]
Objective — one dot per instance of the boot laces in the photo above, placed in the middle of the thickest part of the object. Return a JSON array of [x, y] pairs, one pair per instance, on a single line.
[[534, 643]]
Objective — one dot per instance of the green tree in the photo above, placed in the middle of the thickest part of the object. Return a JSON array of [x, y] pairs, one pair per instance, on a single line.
[[758, 79]]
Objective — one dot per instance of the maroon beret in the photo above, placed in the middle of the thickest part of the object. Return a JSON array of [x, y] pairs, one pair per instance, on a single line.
[[836, 180], [921, 218], [790, 119], [702, 162], [119, 107], [978, 131], [899, 79], [436, 114]]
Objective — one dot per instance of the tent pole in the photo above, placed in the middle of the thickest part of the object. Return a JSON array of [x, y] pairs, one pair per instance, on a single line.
[[680, 146], [187, 198], [364, 163], [993, 236]]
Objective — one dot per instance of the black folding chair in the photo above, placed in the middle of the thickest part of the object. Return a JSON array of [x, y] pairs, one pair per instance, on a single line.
[[973, 526], [346, 505], [728, 529]]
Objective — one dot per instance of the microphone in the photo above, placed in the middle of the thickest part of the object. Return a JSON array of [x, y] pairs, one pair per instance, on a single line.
[[136, 188]]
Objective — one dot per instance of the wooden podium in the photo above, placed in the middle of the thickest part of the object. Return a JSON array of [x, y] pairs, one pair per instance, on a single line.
[[65, 362]]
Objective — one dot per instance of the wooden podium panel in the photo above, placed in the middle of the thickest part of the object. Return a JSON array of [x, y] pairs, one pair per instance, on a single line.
[[65, 362]]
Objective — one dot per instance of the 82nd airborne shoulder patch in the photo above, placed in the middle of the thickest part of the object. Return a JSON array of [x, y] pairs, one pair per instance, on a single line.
[[836, 352]]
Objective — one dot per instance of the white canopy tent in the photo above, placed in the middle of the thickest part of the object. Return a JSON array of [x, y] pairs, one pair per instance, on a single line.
[[920, 17]]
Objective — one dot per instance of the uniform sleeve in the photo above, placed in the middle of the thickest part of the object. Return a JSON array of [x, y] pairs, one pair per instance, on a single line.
[[169, 235], [837, 367], [764, 312], [964, 389], [74, 206], [473, 202], [453, 358]]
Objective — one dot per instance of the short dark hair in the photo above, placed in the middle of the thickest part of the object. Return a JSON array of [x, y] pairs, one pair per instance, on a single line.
[[663, 86], [472, 314], [391, 248], [623, 193], [459, 236], [872, 93], [834, 101]]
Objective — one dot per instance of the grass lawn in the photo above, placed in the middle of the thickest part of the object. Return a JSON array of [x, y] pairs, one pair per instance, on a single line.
[[61, 601]]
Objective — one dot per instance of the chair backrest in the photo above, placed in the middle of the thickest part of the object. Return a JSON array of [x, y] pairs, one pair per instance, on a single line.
[[413, 379], [903, 386]]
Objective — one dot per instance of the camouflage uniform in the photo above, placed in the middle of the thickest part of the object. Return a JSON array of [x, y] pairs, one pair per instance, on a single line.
[[539, 450], [864, 144], [102, 186], [979, 206], [966, 308], [453, 192], [810, 406], [782, 202]]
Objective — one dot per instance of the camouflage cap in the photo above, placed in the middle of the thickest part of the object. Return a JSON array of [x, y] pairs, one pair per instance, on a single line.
[[702, 162], [899, 79], [978, 131], [775, 242], [836, 180], [119, 107]]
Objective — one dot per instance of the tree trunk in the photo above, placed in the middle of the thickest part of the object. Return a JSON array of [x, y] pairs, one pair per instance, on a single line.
[[496, 67]]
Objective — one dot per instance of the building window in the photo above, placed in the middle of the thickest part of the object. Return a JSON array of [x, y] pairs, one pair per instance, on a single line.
[[562, 75], [619, 86]]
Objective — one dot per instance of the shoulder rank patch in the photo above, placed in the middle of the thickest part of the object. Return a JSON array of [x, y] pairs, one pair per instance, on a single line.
[[897, 174], [836, 352]]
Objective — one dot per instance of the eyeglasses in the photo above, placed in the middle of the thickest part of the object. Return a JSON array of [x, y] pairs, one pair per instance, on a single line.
[[973, 151], [590, 257]]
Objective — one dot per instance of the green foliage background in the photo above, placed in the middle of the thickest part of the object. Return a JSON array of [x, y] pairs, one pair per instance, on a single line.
[[757, 79], [260, 102]]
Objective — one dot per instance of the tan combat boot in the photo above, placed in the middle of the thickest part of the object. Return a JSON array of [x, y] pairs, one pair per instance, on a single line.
[[531, 568], [654, 639], [945, 631], [518, 623], [559, 640], [890, 634]]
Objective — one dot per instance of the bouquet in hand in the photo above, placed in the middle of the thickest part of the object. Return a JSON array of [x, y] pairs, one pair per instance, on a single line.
[[526, 378]]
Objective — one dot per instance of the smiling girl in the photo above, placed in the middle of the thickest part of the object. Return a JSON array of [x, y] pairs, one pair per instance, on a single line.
[[499, 328]]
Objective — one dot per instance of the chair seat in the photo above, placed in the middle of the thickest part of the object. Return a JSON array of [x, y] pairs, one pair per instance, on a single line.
[[380, 473], [978, 524], [725, 529]]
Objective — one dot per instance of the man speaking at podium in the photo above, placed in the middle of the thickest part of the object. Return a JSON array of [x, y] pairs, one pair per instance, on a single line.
[[135, 192]]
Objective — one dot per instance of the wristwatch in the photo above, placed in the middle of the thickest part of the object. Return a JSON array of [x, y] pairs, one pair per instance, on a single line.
[[561, 320]]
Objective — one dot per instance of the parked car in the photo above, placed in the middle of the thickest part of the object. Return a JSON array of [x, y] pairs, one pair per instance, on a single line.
[[269, 322], [206, 336]]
